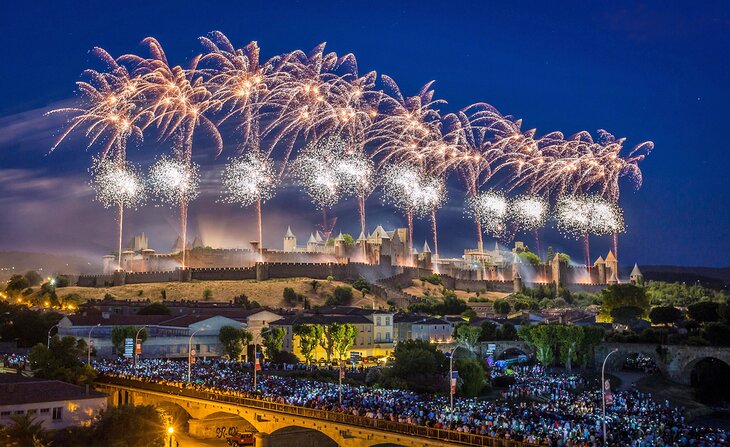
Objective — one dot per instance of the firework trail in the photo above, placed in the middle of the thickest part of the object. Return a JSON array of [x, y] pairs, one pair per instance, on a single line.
[[250, 179], [117, 184], [175, 182]]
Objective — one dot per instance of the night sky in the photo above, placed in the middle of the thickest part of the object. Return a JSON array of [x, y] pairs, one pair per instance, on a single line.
[[656, 71]]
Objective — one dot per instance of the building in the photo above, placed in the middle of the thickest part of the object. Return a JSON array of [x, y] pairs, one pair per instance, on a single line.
[[168, 336], [52, 403], [636, 277], [431, 329], [375, 336]]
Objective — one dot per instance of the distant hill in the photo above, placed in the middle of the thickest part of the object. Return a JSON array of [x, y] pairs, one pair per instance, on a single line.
[[712, 277], [46, 264]]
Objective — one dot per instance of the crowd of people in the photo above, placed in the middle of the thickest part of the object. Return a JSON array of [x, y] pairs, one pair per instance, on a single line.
[[540, 407]]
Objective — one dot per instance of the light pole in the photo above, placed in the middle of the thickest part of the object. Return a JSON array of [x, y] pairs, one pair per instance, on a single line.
[[136, 337], [190, 347], [88, 358], [49, 336], [255, 359], [451, 373], [603, 392], [170, 431]]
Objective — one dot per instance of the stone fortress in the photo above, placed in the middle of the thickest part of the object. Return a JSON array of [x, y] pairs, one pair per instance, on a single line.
[[376, 256]]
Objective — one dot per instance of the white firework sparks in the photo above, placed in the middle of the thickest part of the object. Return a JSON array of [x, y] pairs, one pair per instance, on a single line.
[[529, 212], [174, 181], [490, 209], [355, 172], [401, 187], [117, 184], [315, 170], [582, 215], [249, 178]]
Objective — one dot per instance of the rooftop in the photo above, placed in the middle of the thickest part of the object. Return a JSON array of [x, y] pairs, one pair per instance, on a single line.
[[16, 389]]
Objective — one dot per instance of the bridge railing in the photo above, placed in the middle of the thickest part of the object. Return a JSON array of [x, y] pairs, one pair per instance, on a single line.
[[348, 419]]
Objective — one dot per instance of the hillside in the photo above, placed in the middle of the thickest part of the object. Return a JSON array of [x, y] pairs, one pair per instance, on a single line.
[[267, 293], [421, 288], [711, 277]]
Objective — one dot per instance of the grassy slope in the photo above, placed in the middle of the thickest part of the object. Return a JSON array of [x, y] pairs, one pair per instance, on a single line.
[[418, 288], [267, 293]]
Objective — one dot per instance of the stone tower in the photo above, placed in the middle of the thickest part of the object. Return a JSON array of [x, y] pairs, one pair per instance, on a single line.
[[636, 277], [611, 265], [517, 282], [290, 241], [600, 266], [426, 256]]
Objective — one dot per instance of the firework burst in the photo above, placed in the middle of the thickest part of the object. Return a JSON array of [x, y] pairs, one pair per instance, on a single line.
[[529, 212], [490, 209], [173, 181], [315, 170]]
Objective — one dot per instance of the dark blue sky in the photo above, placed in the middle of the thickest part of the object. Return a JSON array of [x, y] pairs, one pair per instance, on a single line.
[[643, 70]]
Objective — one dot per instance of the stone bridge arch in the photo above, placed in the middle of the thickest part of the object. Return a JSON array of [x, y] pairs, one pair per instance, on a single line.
[[219, 425], [298, 436], [623, 350]]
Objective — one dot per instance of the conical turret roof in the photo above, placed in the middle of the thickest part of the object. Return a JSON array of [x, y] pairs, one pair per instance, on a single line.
[[599, 261], [340, 237], [610, 257], [635, 271], [361, 237], [311, 240], [318, 237], [426, 248], [289, 233]]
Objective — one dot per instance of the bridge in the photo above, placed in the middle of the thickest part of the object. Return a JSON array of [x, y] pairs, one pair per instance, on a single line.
[[274, 424], [675, 362]]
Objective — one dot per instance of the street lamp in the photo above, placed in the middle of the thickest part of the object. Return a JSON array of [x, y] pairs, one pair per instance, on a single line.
[[451, 372], [603, 392], [49, 336], [170, 432], [190, 347], [136, 337], [255, 359], [88, 358]]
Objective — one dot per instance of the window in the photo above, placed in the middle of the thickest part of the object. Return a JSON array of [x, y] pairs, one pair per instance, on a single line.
[[5, 414], [377, 320], [45, 410], [19, 411], [377, 337], [387, 321], [57, 413], [387, 336]]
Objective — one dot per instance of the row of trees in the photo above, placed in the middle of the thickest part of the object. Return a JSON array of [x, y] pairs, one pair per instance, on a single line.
[[336, 339], [566, 342]]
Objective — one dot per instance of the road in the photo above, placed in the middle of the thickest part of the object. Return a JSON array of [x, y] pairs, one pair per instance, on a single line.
[[187, 441]]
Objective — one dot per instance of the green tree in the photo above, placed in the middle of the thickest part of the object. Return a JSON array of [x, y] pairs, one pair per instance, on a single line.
[[472, 376], [349, 240], [337, 339], [273, 340], [342, 296], [592, 337], [501, 307], [530, 258], [61, 361], [419, 365], [207, 294], [121, 333], [665, 315], [130, 426], [290, 296], [309, 336], [543, 338], [624, 295], [467, 335], [569, 339], [315, 285], [704, 311], [361, 285], [626, 315], [717, 333], [154, 309], [234, 341], [507, 332], [24, 431], [17, 283], [488, 331], [33, 278]]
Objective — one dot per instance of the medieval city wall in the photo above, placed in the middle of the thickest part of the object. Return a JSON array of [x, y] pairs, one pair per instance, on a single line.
[[223, 273], [148, 277]]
